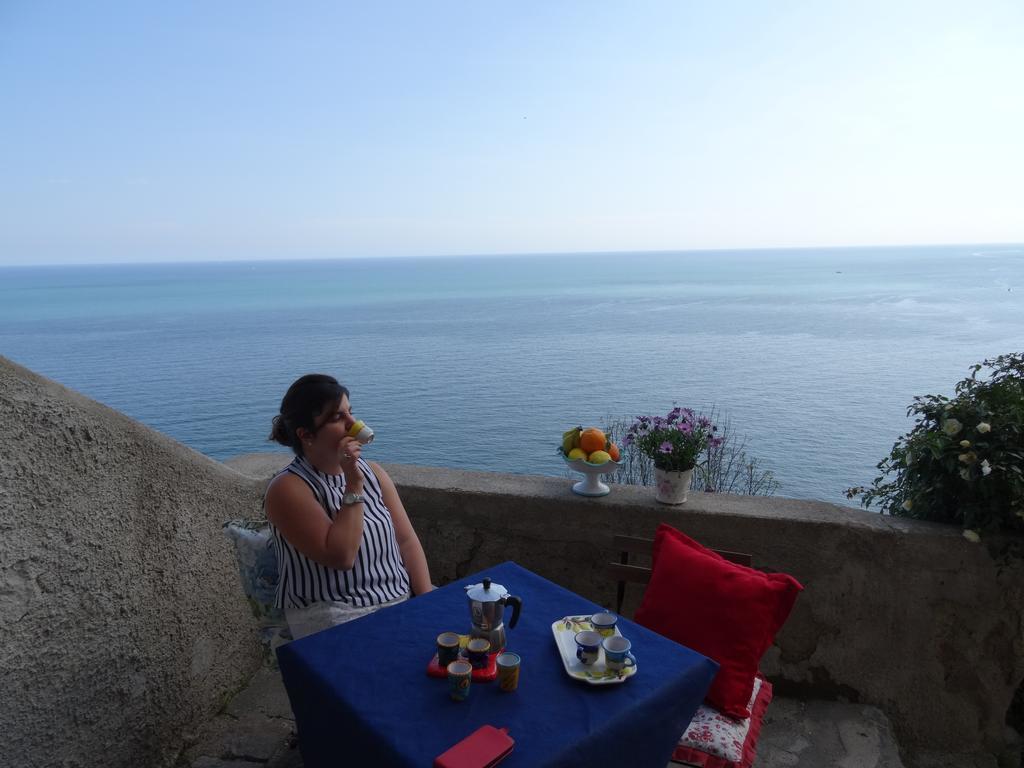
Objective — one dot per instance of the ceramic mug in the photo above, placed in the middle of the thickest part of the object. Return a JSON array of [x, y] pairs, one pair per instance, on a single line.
[[604, 623], [617, 654], [476, 651], [361, 432], [508, 671], [447, 648], [460, 675], [588, 646]]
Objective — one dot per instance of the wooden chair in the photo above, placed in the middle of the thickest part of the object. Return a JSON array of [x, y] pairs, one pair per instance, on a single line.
[[623, 572]]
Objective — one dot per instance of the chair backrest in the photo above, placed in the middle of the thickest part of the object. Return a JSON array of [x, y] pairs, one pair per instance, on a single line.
[[623, 572]]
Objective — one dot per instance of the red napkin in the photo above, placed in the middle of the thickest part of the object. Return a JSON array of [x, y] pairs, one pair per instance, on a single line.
[[483, 748]]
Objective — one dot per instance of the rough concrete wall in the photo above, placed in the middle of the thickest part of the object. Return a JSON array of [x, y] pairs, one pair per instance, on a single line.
[[123, 621], [904, 615]]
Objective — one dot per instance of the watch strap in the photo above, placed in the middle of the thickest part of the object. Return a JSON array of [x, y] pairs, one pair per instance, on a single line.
[[352, 498]]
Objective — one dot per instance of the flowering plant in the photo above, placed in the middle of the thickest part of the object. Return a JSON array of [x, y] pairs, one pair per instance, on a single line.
[[674, 441], [963, 461]]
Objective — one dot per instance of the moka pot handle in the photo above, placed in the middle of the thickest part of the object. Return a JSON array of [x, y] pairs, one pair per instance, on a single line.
[[517, 605]]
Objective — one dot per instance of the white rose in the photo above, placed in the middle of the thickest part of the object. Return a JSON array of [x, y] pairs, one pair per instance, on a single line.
[[965, 473], [965, 443], [986, 468], [967, 458], [984, 427], [952, 426], [907, 505], [972, 536]]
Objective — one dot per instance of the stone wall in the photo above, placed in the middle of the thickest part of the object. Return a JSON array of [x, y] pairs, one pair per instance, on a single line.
[[900, 614], [123, 621]]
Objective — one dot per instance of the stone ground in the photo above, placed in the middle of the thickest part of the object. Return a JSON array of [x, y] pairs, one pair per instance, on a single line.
[[255, 730]]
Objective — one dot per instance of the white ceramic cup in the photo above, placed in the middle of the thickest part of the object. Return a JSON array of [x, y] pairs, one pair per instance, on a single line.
[[588, 646], [604, 623], [361, 432], [617, 654]]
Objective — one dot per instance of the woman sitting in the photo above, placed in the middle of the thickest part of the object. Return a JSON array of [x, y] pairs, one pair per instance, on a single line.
[[345, 545]]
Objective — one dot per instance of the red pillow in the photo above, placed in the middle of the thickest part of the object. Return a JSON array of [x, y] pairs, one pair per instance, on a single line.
[[728, 612]]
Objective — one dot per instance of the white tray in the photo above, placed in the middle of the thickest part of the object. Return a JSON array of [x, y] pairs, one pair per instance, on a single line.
[[597, 673]]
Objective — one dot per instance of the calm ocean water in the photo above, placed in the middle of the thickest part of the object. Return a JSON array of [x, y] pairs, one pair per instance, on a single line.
[[482, 363]]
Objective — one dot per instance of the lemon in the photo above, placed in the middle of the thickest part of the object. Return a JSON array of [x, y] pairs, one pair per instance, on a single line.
[[577, 453], [599, 457]]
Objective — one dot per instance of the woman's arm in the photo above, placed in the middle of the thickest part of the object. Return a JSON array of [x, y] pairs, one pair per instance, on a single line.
[[291, 506], [408, 541]]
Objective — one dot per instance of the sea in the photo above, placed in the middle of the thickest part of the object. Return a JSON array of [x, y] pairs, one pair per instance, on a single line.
[[810, 355]]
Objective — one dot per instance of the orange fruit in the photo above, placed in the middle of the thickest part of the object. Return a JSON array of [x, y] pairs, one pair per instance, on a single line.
[[613, 451], [592, 439]]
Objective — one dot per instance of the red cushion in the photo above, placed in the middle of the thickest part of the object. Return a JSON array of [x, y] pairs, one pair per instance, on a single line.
[[728, 612]]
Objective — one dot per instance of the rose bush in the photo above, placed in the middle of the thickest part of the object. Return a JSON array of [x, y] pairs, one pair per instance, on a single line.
[[963, 461]]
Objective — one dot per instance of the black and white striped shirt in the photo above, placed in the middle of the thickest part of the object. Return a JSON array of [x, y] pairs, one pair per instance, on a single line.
[[378, 575]]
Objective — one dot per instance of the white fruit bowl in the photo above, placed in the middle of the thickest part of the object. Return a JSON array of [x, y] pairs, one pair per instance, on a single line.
[[591, 484]]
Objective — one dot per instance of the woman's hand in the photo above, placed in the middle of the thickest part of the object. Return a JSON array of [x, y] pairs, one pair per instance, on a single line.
[[349, 451]]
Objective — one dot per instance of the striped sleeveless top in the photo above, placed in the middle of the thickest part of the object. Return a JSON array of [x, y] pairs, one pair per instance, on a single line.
[[378, 575]]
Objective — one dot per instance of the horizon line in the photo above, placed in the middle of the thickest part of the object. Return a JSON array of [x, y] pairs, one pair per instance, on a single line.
[[512, 254]]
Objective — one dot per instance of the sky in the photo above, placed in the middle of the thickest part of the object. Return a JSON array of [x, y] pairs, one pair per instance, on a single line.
[[135, 132]]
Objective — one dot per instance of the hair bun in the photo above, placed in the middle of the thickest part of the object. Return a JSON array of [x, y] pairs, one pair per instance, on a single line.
[[279, 431]]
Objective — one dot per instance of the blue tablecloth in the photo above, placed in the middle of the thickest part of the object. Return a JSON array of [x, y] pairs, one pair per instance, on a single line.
[[361, 695]]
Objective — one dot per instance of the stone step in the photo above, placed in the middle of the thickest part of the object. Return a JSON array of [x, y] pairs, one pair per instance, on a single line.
[[825, 733]]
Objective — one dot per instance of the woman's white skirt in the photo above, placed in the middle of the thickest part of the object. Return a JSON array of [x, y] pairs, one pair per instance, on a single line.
[[320, 616]]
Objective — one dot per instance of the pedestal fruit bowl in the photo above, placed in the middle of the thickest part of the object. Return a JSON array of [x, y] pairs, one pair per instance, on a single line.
[[589, 452]]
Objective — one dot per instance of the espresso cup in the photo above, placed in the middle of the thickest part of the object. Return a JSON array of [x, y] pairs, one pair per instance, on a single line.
[[604, 623], [460, 675], [447, 648], [588, 646], [476, 651], [508, 671], [361, 432], [617, 655]]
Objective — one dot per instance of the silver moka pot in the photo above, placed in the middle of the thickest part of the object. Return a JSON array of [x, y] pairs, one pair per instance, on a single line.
[[487, 603]]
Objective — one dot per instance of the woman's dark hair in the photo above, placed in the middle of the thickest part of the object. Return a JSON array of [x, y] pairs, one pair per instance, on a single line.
[[302, 403]]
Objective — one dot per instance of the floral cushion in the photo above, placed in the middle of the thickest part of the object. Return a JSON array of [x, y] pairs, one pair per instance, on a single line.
[[257, 567], [714, 740]]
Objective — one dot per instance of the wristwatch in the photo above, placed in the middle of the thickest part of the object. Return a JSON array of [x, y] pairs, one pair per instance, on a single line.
[[352, 498]]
